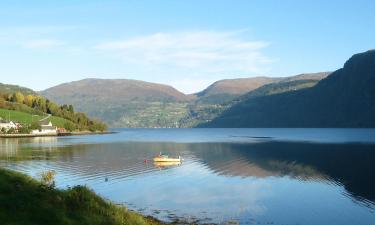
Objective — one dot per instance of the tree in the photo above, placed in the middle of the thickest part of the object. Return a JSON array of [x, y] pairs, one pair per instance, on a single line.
[[11, 131], [29, 100], [71, 109], [18, 97], [34, 126], [52, 108], [69, 126], [2, 102], [24, 130]]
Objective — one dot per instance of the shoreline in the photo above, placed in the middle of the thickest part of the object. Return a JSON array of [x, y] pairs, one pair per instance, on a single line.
[[55, 135]]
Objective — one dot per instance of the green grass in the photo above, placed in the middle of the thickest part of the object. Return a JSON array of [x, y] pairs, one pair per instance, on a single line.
[[26, 118], [25, 201]]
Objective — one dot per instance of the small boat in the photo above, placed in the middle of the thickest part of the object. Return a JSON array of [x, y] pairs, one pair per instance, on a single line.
[[166, 164], [166, 158]]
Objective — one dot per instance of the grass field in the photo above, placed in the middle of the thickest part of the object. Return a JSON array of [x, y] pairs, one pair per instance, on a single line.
[[25, 201], [26, 118]]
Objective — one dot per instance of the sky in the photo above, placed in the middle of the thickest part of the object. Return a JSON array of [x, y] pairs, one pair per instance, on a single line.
[[184, 43]]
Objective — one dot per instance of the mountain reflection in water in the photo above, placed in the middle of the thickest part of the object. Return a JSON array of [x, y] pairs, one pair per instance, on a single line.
[[217, 181]]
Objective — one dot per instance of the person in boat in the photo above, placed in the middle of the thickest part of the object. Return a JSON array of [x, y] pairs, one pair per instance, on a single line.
[[162, 156]]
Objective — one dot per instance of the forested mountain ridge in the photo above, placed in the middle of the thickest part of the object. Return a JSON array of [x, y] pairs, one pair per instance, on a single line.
[[343, 99], [132, 103]]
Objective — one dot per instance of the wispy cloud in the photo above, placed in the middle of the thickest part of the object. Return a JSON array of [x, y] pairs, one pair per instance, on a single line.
[[199, 51], [27, 31], [43, 43]]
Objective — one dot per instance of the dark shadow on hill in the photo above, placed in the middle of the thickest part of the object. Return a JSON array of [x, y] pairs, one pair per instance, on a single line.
[[344, 99]]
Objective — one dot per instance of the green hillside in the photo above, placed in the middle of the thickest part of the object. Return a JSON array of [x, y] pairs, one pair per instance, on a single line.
[[26, 118], [28, 108], [24, 200]]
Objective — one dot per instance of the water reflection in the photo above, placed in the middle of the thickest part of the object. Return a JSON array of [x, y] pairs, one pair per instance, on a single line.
[[166, 164], [252, 182]]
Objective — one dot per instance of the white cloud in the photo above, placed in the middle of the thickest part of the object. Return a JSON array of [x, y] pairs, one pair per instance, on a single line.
[[43, 43], [202, 53]]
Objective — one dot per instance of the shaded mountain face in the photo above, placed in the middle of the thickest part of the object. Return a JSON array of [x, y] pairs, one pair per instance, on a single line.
[[344, 99]]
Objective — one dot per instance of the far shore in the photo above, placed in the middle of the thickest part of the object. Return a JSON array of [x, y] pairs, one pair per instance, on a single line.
[[55, 135]]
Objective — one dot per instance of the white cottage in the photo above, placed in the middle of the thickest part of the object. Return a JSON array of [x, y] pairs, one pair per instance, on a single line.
[[46, 127], [7, 125]]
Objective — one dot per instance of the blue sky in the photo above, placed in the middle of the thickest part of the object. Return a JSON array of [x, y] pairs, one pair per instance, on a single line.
[[187, 44]]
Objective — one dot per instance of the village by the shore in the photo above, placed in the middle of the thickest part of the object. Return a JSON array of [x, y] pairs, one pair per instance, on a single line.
[[44, 128]]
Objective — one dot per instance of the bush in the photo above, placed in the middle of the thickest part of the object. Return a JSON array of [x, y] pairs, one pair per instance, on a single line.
[[47, 178], [24, 130], [35, 126], [69, 126], [11, 131]]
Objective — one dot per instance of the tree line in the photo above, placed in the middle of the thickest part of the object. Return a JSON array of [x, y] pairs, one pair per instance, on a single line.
[[36, 104]]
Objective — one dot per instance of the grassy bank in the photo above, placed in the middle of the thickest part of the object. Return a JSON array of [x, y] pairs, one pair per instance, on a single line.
[[27, 118], [23, 200]]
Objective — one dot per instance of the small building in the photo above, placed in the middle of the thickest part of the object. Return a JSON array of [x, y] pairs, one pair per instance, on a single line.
[[46, 127], [7, 125]]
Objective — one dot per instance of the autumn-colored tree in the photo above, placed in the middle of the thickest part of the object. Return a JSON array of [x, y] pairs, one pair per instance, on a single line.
[[2, 102], [29, 100], [52, 108], [18, 97]]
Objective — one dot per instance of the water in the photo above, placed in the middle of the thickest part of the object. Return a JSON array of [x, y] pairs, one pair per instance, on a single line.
[[252, 176]]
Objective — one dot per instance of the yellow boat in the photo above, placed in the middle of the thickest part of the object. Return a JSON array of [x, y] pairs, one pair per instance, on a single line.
[[165, 158], [166, 164]]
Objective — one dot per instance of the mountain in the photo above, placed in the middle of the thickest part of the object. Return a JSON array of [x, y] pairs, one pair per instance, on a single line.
[[226, 90], [9, 88], [123, 102], [343, 99], [132, 103], [114, 90]]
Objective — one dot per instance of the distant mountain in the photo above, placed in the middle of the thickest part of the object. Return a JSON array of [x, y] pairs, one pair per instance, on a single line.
[[9, 88], [344, 99], [114, 90], [122, 102], [226, 90], [132, 103]]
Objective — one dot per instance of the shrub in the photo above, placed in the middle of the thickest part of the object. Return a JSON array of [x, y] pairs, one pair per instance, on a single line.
[[47, 178], [24, 130]]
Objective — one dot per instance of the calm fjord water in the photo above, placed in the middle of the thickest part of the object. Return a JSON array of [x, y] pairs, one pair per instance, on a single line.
[[254, 176]]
